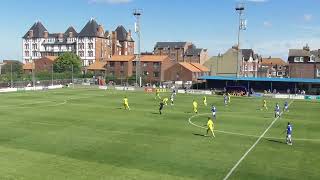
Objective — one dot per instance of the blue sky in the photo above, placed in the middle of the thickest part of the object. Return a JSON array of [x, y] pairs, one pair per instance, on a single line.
[[274, 26]]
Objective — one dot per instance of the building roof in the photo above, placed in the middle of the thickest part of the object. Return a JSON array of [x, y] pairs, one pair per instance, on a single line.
[[27, 66], [122, 34], [170, 44], [299, 52], [97, 65], [52, 58], [190, 67], [200, 67], [122, 58], [38, 30], [273, 61], [90, 29], [260, 79], [247, 53], [316, 54], [193, 51], [153, 58], [71, 29]]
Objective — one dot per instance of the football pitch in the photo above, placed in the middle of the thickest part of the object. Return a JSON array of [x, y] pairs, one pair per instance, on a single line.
[[79, 134]]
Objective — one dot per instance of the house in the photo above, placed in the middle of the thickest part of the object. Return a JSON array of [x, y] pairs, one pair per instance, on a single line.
[[181, 52], [184, 71], [273, 67], [226, 64], [152, 67], [40, 65], [304, 63], [3, 68], [91, 44]]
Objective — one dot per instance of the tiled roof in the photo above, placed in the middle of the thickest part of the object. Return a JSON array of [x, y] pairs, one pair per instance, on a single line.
[[247, 53], [190, 67], [298, 52], [170, 44], [153, 58], [97, 65], [38, 30], [200, 67], [52, 58], [122, 58], [273, 61], [71, 29], [90, 29], [28, 66], [122, 34]]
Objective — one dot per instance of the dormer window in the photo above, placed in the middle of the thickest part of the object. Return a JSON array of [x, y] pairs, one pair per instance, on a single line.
[[298, 59], [312, 58]]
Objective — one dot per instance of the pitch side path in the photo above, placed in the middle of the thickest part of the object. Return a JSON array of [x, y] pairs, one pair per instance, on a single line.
[[79, 134]]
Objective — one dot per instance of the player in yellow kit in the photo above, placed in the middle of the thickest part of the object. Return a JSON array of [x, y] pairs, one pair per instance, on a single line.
[[205, 101], [264, 106], [126, 103], [210, 126], [195, 106], [165, 101], [229, 98], [157, 95]]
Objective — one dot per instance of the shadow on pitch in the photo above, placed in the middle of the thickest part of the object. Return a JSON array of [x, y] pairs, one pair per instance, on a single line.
[[196, 134], [276, 141]]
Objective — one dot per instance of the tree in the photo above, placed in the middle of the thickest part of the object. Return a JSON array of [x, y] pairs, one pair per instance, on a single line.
[[65, 62], [16, 68]]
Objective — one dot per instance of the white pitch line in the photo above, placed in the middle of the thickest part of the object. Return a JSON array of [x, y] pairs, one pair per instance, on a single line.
[[246, 135], [253, 146]]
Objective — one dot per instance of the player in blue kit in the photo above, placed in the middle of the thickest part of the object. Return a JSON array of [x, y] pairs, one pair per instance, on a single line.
[[213, 110], [277, 111], [289, 133], [286, 107]]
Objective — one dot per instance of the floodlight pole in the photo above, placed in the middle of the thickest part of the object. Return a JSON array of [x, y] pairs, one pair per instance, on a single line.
[[52, 75], [11, 83], [33, 75], [72, 75], [240, 10], [137, 14]]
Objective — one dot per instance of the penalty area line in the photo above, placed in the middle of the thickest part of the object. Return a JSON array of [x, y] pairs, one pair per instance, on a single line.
[[253, 146]]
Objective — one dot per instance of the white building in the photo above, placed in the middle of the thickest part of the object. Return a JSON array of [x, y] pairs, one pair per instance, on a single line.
[[91, 44]]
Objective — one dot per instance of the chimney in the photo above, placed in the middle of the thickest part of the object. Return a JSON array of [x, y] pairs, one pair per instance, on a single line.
[[100, 31], [45, 34], [60, 36], [30, 33], [129, 35], [306, 48]]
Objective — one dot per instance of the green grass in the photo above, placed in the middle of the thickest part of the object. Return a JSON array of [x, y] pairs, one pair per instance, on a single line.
[[84, 134]]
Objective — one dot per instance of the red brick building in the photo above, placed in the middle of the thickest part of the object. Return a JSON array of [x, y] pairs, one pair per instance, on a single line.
[[273, 67], [181, 52], [185, 72], [304, 63], [40, 65]]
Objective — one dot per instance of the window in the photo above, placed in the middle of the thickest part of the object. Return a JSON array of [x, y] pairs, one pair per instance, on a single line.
[[122, 65], [121, 73], [156, 65], [34, 46], [134, 63], [156, 74], [26, 53], [26, 46], [318, 72], [90, 53], [145, 64], [34, 54], [312, 58], [111, 64], [81, 54], [279, 73], [90, 45], [298, 59]]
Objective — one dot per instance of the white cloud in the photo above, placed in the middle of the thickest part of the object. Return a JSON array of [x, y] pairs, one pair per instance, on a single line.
[[307, 17], [110, 1], [267, 24]]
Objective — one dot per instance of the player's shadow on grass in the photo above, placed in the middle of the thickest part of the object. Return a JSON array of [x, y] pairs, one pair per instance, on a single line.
[[155, 113], [276, 141], [196, 134]]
